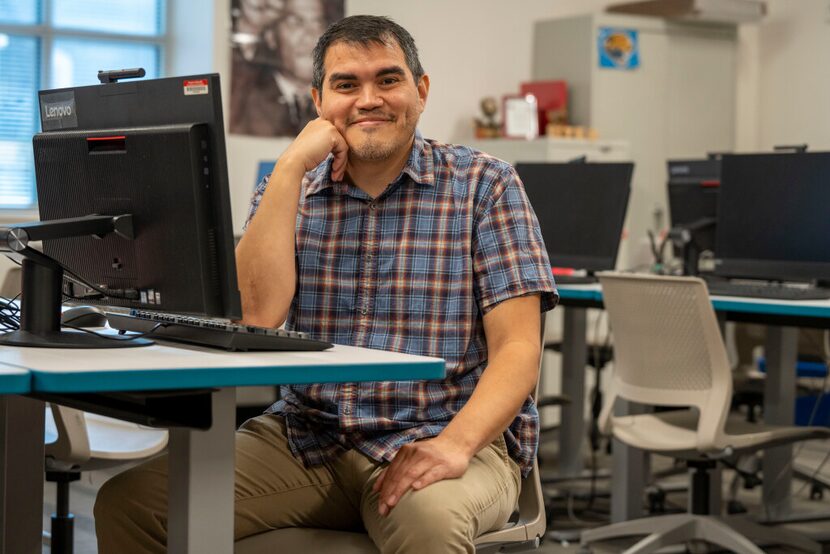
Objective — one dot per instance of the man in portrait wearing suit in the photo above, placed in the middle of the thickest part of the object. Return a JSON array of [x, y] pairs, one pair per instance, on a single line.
[[270, 92]]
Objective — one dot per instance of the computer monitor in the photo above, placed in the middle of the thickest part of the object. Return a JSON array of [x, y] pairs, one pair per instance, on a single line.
[[153, 151], [581, 209], [693, 190], [773, 219]]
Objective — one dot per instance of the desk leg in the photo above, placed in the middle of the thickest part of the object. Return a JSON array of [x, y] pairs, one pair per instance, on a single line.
[[201, 486], [21, 475], [572, 428], [779, 409], [630, 468]]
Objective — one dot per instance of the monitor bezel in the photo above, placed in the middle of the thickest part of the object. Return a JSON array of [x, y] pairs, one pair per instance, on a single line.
[[763, 269], [590, 263]]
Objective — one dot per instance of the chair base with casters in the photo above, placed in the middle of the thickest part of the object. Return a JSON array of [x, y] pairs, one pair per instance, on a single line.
[[735, 534], [78, 441]]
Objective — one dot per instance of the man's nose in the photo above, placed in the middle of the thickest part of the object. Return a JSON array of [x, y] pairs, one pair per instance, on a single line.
[[369, 98]]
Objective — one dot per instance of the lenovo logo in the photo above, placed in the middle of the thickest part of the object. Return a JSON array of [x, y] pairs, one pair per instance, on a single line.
[[58, 110], [52, 111]]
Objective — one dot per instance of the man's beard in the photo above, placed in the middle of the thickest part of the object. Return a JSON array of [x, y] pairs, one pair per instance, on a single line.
[[375, 149]]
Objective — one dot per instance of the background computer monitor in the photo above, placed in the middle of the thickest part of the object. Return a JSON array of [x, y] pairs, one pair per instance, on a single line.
[[581, 209], [693, 190], [154, 149], [773, 219]]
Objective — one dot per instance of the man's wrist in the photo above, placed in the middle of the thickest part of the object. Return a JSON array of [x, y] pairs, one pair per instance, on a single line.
[[456, 441], [290, 166]]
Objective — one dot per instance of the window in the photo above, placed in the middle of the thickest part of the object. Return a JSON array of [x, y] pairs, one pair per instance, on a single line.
[[62, 43]]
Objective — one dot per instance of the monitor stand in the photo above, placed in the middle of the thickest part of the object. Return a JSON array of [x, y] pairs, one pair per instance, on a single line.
[[40, 323], [41, 312], [683, 240]]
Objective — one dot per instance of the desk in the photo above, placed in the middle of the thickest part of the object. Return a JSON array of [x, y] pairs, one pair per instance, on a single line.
[[202, 419], [782, 318], [16, 381]]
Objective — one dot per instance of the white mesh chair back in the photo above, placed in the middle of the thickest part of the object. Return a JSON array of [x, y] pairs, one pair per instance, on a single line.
[[668, 349]]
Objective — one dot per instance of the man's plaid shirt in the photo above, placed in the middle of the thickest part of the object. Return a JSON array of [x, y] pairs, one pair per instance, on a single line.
[[412, 271]]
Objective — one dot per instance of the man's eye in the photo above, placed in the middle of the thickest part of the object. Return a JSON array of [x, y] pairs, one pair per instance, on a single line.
[[389, 81], [344, 86]]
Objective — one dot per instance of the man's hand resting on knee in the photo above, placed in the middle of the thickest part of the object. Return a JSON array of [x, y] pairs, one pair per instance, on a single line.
[[417, 465]]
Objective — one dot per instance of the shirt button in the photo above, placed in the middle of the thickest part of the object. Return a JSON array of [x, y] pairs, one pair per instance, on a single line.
[[347, 411], [373, 206], [364, 311]]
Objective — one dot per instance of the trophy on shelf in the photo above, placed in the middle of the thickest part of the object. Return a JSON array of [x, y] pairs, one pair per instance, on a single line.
[[488, 127]]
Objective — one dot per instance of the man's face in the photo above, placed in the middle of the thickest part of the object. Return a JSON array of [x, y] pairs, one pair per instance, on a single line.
[[297, 33], [370, 96], [260, 13]]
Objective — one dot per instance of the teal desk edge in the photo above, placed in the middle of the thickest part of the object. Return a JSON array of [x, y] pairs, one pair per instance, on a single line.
[[580, 294], [15, 381], [188, 378], [789, 309]]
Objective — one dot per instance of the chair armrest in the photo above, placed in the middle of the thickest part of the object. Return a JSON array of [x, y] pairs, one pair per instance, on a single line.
[[72, 446]]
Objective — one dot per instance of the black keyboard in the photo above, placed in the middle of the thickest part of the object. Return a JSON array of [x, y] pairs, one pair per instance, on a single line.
[[212, 332], [769, 291]]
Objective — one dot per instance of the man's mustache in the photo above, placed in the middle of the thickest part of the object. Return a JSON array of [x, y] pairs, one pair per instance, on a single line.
[[364, 115]]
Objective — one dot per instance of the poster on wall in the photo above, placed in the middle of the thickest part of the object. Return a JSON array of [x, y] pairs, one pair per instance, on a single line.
[[618, 48], [271, 65]]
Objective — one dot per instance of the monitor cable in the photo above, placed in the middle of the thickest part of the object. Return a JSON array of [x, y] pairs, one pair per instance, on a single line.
[[120, 337], [9, 314]]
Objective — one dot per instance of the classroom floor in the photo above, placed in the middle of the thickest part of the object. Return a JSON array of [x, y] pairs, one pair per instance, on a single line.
[[566, 515]]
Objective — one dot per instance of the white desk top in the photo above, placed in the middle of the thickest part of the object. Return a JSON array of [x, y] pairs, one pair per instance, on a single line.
[[182, 366]]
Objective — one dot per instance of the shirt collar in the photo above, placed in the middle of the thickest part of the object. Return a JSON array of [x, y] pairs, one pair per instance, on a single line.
[[419, 167]]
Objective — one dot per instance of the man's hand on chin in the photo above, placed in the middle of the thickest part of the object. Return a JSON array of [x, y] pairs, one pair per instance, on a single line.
[[418, 465]]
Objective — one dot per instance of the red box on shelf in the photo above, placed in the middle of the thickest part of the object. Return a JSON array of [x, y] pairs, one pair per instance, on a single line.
[[550, 96]]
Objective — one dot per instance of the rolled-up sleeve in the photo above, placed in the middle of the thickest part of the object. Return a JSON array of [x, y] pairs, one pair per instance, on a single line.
[[509, 255]]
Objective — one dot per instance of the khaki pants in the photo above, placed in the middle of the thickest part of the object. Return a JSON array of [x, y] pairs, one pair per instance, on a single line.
[[274, 490]]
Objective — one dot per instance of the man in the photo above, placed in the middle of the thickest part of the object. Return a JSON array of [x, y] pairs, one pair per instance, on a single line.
[[367, 234], [269, 100]]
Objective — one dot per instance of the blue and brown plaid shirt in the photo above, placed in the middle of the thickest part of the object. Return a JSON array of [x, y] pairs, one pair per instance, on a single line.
[[412, 271]]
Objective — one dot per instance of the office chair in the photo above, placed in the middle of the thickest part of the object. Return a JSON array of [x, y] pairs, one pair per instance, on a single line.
[[669, 352], [524, 531], [77, 441], [11, 283]]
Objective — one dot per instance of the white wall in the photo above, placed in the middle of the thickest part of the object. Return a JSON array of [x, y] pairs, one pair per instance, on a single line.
[[794, 79]]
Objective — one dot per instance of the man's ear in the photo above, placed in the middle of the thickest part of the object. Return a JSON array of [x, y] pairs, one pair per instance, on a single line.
[[318, 98], [423, 91]]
